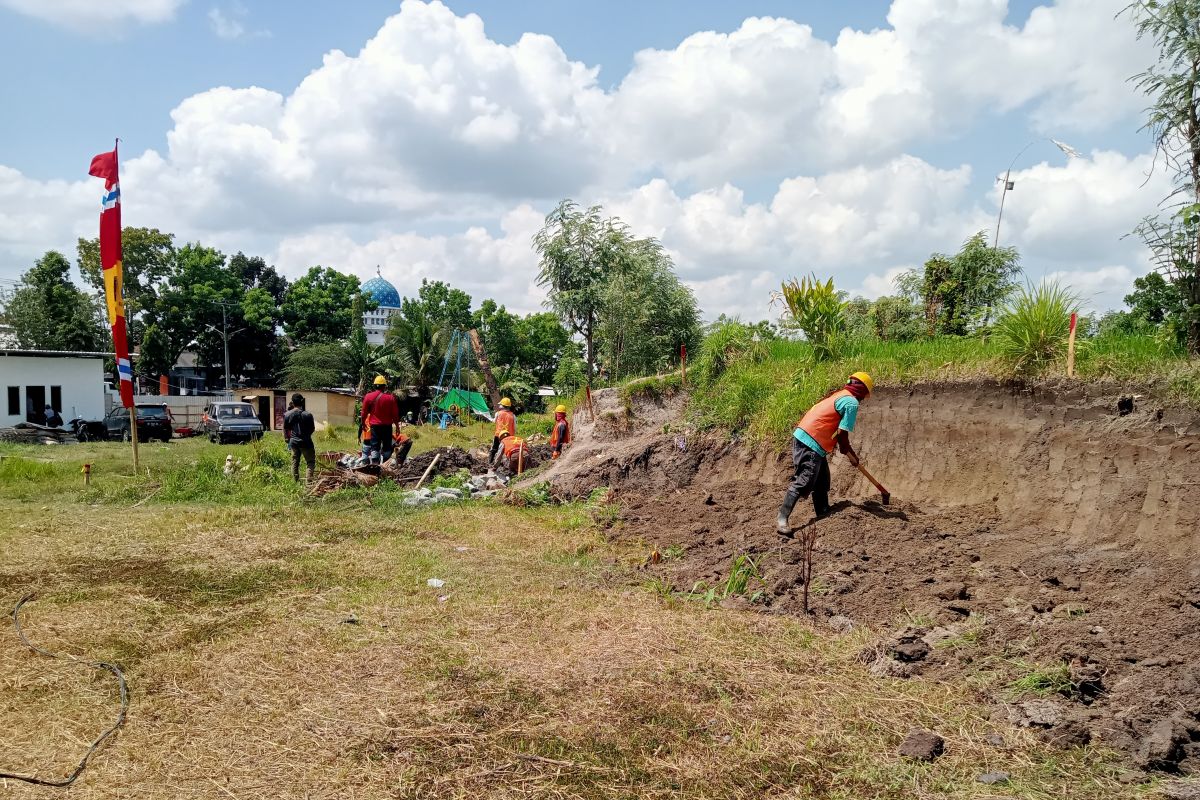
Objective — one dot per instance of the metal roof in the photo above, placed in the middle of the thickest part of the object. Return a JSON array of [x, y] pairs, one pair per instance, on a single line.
[[55, 353]]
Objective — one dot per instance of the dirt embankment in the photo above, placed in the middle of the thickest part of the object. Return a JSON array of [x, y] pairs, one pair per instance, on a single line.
[[1040, 535]]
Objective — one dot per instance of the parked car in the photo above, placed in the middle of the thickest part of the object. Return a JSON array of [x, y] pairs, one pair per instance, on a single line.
[[231, 422], [153, 422]]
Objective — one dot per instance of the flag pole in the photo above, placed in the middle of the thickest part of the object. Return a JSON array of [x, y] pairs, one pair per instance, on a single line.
[[133, 436]]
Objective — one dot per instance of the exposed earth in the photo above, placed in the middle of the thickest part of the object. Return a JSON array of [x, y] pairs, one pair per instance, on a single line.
[[1043, 540]]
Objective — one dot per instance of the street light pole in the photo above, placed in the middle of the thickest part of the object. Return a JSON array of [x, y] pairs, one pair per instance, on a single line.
[[1068, 151], [225, 334]]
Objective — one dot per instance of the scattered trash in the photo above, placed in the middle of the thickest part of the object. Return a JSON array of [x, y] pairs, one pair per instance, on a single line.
[[443, 598], [435, 583]]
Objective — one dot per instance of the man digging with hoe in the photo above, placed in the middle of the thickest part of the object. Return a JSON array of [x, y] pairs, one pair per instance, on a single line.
[[828, 423]]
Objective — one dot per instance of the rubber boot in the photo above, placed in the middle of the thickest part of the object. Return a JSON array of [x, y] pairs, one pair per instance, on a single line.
[[781, 524]]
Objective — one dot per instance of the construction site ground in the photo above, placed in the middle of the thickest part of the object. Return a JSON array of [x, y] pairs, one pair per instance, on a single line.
[[1040, 545], [284, 646]]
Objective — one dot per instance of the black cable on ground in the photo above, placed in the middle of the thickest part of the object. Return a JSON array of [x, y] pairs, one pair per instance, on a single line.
[[103, 737]]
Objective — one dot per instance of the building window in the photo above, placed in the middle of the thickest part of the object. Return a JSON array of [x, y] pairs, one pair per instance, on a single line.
[[14, 401], [56, 398]]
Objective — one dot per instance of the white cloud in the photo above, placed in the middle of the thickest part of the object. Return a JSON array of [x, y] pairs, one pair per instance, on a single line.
[[225, 27], [87, 15], [231, 26], [432, 125]]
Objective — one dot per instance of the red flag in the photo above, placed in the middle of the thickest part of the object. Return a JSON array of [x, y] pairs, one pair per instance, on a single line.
[[105, 166]]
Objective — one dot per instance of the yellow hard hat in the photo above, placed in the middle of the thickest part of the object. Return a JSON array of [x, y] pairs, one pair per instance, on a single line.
[[560, 409], [380, 380], [506, 402], [865, 379]]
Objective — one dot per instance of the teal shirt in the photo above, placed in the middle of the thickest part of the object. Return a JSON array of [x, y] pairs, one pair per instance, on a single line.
[[847, 407]]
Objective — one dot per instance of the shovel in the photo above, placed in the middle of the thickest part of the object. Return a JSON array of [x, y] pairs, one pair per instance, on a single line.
[[886, 496]]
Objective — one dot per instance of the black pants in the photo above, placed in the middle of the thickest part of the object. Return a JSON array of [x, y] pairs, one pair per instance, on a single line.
[[309, 453], [495, 447], [810, 476], [381, 443]]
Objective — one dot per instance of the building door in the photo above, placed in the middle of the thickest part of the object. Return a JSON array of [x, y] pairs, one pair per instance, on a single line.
[[35, 404], [264, 411]]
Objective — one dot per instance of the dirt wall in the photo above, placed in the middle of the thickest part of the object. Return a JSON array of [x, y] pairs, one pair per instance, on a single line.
[[1062, 459]]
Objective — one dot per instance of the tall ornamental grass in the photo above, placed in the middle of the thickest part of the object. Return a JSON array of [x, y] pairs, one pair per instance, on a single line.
[[1032, 332]]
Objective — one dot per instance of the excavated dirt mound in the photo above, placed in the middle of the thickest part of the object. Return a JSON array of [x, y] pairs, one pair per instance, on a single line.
[[1030, 532], [450, 461]]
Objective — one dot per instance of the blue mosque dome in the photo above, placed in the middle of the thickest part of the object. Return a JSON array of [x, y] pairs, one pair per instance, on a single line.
[[382, 292]]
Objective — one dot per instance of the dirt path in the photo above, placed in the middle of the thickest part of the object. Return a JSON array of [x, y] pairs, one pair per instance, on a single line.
[[1040, 542]]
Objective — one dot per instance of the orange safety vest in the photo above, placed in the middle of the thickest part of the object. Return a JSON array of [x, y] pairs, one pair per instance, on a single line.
[[566, 429], [822, 420], [506, 421], [511, 445]]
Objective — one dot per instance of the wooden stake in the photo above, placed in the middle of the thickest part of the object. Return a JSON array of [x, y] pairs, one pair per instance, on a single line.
[[591, 408], [87, 474], [133, 437], [429, 469], [520, 459], [1071, 348]]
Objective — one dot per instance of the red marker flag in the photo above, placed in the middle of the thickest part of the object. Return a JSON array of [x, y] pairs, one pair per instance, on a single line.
[[105, 166]]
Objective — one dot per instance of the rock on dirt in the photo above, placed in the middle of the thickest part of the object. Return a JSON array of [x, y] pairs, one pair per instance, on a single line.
[[992, 778], [922, 745]]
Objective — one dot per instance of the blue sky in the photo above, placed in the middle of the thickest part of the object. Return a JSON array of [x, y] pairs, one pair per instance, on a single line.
[[736, 208]]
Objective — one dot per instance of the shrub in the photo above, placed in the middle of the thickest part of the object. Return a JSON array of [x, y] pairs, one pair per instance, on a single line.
[[1033, 331], [818, 310], [726, 344]]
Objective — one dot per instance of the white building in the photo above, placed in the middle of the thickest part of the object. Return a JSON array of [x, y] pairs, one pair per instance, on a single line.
[[375, 323], [72, 383]]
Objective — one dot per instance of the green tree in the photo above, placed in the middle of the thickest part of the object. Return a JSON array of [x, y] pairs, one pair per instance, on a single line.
[[960, 293], [148, 259], [579, 251], [420, 342], [498, 330], [542, 342], [316, 366], [444, 306], [1173, 86], [648, 314], [568, 377], [895, 319], [48, 312], [319, 307]]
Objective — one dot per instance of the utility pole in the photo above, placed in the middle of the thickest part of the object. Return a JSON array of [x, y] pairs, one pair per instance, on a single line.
[[225, 334]]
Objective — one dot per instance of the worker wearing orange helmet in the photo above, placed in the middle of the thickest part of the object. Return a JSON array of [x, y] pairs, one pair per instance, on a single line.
[[506, 424], [826, 425], [560, 434]]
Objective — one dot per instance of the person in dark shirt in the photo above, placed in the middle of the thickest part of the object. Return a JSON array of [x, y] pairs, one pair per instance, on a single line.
[[53, 418], [300, 426]]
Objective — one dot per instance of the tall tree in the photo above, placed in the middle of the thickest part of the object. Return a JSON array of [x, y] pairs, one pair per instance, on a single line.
[[48, 312], [579, 251], [148, 258], [319, 307], [441, 304], [421, 342], [960, 293], [1173, 86], [648, 314], [542, 343]]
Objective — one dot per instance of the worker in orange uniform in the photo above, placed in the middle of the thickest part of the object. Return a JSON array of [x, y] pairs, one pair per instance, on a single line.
[[560, 434], [506, 423], [826, 424], [511, 452]]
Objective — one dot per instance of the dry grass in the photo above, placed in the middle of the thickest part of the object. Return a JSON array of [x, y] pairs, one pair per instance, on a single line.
[[540, 669]]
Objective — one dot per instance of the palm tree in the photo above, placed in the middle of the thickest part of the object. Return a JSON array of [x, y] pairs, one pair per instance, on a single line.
[[421, 344], [363, 360]]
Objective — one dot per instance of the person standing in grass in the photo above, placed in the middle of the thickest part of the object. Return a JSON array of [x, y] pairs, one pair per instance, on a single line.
[[300, 425], [826, 425]]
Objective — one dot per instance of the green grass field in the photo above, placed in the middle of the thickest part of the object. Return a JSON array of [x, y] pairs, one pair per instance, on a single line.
[[764, 395], [280, 646]]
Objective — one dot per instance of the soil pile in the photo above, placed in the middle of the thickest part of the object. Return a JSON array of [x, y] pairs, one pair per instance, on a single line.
[[1046, 535]]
